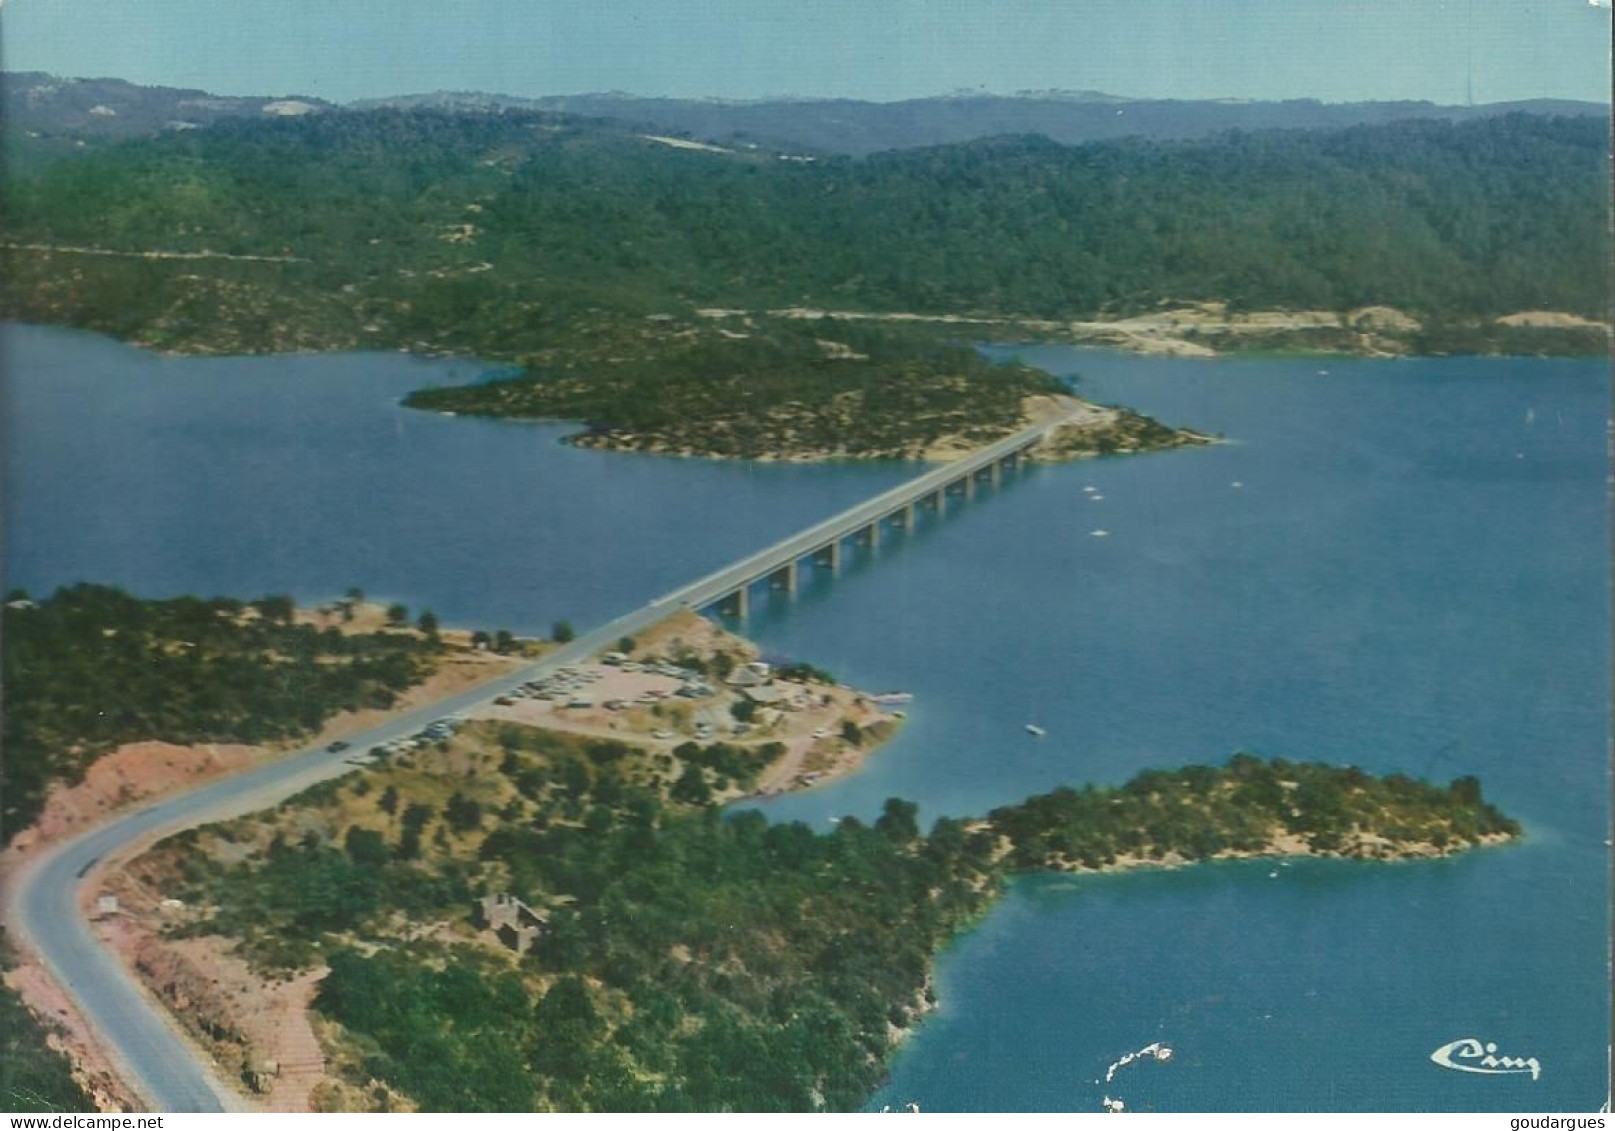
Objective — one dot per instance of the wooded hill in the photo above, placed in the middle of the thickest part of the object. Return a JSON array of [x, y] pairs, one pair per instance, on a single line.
[[688, 962], [510, 235]]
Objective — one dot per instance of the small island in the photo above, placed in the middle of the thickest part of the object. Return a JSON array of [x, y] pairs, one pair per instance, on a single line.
[[788, 394]]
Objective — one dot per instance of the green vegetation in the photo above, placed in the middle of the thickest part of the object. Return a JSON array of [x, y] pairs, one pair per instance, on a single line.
[[876, 393], [585, 254], [33, 1076], [92, 667], [1200, 812], [1458, 221], [801, 671], [688, 961]]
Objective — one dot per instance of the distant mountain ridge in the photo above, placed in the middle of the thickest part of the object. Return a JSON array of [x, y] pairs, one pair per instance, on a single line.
[[65, 112], [115, 108], [857, 128]]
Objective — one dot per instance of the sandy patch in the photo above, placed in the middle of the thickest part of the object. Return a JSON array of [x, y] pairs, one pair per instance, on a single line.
[[1384, 318], [685, 143], [1550, 320], [131, 774]]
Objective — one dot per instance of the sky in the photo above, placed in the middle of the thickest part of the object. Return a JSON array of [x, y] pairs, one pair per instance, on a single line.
[[1334, 50]]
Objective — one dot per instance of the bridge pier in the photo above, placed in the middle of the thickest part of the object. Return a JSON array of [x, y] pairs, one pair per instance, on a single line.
[[829, 556], [785, 578], [740, 602], [995, 472], [970, 486], [871, 534]]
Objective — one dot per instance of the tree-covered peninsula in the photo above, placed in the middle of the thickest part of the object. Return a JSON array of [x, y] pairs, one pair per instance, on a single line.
[[614, 267], [661, 956]]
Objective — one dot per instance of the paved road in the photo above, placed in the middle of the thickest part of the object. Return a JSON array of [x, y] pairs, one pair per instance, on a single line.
[[44, 910]]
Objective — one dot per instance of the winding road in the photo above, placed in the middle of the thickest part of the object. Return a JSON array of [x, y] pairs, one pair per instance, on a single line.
[[166, 1069]]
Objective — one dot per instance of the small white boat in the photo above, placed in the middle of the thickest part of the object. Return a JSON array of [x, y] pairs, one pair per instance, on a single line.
[[1090, 489], [1236, 483], [1096, 498], [1034, 729], [1101, 534], [892, 697]]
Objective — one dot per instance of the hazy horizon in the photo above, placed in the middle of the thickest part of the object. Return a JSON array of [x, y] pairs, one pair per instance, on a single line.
[[1442, 51]]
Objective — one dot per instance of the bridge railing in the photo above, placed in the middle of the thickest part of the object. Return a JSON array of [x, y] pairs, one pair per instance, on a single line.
[[802, 543]]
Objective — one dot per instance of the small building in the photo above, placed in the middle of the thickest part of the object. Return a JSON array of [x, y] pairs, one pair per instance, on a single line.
[[515, 924]]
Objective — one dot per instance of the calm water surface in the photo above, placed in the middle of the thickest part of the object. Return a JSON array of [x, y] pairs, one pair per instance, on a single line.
[[1410, 575]]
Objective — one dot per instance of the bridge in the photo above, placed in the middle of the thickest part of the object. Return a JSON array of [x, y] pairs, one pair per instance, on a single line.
[[821, 545], [44, 907]]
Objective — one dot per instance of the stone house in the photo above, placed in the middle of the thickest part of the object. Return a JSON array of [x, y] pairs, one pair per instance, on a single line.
[[515, 924]]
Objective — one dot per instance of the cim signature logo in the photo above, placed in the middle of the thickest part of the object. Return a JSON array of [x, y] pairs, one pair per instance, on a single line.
[[1470, 1055]]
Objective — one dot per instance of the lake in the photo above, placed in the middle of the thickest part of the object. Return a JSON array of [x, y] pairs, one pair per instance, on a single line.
[[1402, 565]]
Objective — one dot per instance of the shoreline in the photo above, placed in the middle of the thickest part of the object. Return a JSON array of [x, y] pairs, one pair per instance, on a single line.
[[114, 789], [1100, 430], [1207, 330], [1283, 847]]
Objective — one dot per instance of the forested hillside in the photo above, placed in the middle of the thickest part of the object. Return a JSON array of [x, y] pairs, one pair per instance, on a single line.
[[687, 962], [511, 234]]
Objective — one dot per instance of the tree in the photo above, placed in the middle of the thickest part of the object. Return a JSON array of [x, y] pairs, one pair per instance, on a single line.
[[743, 710], [625, 644], [898, 820], [503, 641], [365, 847], [562, 632], [480, 639], [415, 818], [276, 608], [566, 1028], [389, 801], [427, 623], [463, 813], [691, 788], [397, 614]]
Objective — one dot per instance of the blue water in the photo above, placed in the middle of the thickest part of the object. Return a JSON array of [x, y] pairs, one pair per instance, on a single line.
[[1412, 576], [304, 475]]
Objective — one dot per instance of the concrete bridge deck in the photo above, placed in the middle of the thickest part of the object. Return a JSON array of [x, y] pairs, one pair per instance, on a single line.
[[823, 542]]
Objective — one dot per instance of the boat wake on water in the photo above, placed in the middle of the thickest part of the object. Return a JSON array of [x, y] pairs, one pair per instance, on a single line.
[[1154, 1051]]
